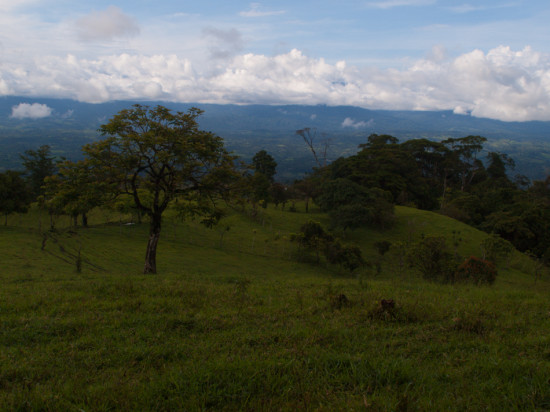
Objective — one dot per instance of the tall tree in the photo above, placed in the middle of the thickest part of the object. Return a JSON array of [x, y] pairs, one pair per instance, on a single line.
[[464, 151], [318, 149], [498, 163], [265, 164], [38, 164], [163, 155], [13, 196]]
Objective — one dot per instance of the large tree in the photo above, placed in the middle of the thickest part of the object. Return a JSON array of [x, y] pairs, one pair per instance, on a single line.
[[464, 152], [13, 196], [155, 156]]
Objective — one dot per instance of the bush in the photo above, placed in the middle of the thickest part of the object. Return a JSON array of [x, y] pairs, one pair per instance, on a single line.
[[496, 249], [432, 257], [313, 238], [476, 270], [347, 256]]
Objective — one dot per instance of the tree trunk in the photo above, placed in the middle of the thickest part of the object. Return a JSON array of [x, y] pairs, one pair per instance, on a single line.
[[84, 220], [151, 253], [75, 220]]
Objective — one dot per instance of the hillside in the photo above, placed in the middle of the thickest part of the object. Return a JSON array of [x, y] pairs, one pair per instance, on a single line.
[[233, 323], [250, 128]]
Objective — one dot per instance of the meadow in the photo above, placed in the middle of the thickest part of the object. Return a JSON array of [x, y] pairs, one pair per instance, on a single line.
[[233, 322]]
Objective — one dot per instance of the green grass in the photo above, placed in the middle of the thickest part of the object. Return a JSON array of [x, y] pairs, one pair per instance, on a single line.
[[238, 325]]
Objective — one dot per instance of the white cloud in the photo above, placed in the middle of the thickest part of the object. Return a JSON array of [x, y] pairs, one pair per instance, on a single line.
[[460, 110], [502, 83], [4, 88], [388, 4], [467, 8], [438, 53], [227, 43], [349, 122], [106, 25], [32, 111], [7, 5], [68, 114], [255, 11]]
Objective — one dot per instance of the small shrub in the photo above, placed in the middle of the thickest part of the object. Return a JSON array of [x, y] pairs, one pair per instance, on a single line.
[[385, 310], [339, 301], [432, 257], [476, 270], [382, 247], [313, 239], [496, 249], [347, 256]]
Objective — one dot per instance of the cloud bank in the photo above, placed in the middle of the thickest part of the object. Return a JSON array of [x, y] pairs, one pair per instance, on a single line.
[[501, 84], [32, 111]]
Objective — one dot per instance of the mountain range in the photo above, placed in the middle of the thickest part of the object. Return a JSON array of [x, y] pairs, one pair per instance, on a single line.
[[67, 124]]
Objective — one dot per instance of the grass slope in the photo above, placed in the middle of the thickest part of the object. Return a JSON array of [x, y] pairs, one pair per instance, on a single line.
[[232, 323]]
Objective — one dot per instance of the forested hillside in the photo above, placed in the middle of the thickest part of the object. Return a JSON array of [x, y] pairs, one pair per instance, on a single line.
[[451, 176]]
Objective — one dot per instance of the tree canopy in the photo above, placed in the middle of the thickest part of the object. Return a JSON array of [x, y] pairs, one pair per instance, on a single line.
[[265, 164], [38, 164], [13, 196], [155, 155], [449, 176]]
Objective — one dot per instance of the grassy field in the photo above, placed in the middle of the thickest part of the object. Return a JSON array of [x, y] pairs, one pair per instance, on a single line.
[[232, 322]]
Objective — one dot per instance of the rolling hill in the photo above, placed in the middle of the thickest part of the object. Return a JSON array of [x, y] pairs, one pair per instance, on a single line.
[[234, 323]]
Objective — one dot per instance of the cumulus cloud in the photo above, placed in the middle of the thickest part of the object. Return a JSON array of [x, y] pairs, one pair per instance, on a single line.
[[502, 83], [32, 111], [349, 122], [255, 11], [106, 25]]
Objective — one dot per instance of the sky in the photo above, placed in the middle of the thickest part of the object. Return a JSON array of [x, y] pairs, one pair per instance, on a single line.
[[484, 58]]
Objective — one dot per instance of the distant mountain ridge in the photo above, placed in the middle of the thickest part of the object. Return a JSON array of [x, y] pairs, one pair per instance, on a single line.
[[220, 118], [250, 127]]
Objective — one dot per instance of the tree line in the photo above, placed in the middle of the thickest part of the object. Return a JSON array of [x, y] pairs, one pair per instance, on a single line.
[[451, 177]]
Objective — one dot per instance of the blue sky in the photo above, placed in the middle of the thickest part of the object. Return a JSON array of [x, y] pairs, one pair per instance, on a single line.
[[485, 58]]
